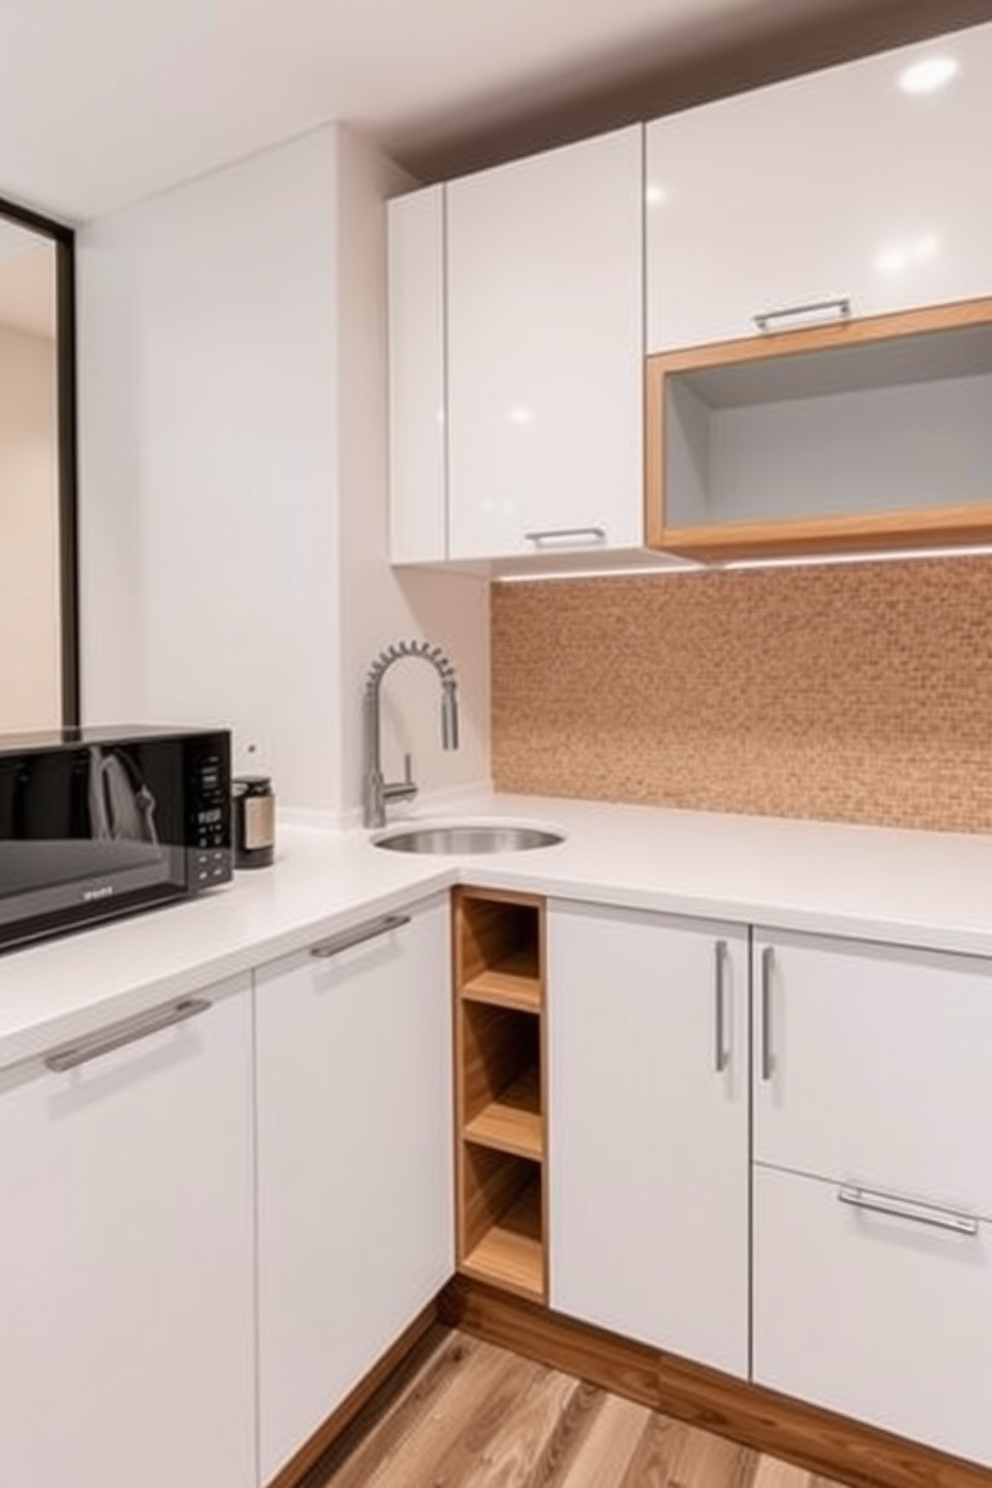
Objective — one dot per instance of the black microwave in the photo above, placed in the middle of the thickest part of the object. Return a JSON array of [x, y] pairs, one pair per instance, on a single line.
[[100, 822]]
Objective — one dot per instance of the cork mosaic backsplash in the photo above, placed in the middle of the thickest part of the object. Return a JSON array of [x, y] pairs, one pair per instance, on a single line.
[[858, 692]]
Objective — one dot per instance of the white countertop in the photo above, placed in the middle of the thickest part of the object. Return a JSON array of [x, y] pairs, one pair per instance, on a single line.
[[913, 888]]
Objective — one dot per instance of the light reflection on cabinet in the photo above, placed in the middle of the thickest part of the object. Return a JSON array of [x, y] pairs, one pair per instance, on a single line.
[[516, 342], [838, 184]]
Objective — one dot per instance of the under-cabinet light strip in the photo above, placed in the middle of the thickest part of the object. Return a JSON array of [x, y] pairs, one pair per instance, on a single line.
[[811, 560], [894, 555], [626, 572]]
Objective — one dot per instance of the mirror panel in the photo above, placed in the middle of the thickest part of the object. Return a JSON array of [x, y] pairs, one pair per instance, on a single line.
[[38, 620]]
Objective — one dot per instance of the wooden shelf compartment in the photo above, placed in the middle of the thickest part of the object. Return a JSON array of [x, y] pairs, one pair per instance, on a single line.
[[511, 986], [499, 1088], [870, 434], [513, 1121], [498, 948], [503, 1226], [499, 1100]]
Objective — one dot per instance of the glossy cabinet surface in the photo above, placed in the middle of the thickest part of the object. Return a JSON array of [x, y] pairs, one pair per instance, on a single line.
[[126, 1254], [873, 1196], [418, 460], [648, 1146], [516, 339], [840, 185], [355, 1228], [544, 347]]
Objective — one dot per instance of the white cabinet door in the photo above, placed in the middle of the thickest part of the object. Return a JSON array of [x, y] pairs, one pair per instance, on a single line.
[[871, 1066], [355, 1181], [126, 1281], [648, 1144], [840, 183], [418, 470], [880, 1317], [545, 347]]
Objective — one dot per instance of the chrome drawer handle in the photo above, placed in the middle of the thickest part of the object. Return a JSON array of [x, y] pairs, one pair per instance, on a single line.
[[911, 1209], [590, 535], [721, 1053], [349, 938], [767, 1057], [121, 1034], [840, 305]]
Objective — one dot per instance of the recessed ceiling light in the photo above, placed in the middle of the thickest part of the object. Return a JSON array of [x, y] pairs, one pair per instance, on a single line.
[[927, 75]]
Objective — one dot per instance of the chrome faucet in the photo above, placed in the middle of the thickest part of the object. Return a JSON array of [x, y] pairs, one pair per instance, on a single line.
[[377, 792]]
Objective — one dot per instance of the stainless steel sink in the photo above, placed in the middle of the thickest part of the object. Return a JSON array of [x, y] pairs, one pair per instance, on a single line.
[[468, 837]]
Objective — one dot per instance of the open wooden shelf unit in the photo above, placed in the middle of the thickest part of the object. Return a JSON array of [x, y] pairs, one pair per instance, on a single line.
[[853, 437], [500, 1109]]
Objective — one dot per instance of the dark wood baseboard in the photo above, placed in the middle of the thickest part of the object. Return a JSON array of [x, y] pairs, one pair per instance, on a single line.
[[817, 1440], [303, 1461]]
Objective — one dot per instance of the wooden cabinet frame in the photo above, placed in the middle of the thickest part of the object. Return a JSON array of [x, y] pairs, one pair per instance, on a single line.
[[854, 531], [500, 1084]]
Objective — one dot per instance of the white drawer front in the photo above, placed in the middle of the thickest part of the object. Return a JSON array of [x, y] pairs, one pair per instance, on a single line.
[[881, 1318], [871, 1063]]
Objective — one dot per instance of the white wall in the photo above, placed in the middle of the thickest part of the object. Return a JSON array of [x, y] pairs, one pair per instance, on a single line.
[[208, 473], [233, 475], [30, 604]]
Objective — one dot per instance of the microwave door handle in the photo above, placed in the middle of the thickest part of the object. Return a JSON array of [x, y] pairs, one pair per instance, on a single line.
[[100, 824], [140, 799]]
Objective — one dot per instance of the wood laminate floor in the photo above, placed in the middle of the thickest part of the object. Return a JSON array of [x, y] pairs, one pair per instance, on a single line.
[[464, 1414]]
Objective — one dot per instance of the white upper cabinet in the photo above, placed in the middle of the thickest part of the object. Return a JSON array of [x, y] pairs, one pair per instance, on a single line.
[[417, 447], [516, 345], [544, 351], [865, 183]]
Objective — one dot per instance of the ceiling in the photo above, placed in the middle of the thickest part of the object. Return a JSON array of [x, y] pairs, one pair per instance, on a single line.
[[103, 102]]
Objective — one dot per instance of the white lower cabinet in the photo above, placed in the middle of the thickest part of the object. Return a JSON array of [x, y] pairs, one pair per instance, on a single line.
[[873, 1185], [355, 1226], [126, 1284], [877, 1315], [871, 1063], [648, 1146]]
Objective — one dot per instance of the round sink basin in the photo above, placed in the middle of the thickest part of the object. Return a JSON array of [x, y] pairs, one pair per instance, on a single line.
[[468, 837]]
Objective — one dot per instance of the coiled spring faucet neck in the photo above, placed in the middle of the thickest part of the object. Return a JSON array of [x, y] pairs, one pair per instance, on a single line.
[[376, 791]]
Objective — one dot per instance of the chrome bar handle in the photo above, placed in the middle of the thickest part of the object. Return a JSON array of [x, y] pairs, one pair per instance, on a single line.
[[721, 1053], [590, 535], [767, 1057], [129, 1032], [349, 938], [911, 1209], [840, 305]]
